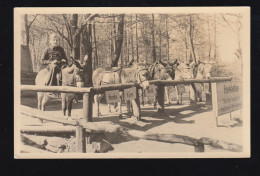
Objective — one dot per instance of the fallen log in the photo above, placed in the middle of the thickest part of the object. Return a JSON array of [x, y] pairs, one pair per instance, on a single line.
[[221, 144], [109, 127], [48, 129], [35, 113]]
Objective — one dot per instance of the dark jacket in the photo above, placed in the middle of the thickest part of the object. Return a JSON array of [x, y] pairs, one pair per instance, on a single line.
[[54, 53]]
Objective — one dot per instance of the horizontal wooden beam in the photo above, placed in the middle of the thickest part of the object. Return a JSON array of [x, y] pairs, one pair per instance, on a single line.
[[190, 81], [48, 129], [103, 88], [62, 89], [121, 87]]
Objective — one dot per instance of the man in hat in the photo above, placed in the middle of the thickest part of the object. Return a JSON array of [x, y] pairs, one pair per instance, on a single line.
[[55, 58]]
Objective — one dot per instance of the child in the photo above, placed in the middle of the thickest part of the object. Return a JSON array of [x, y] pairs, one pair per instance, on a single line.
[[54, 57]]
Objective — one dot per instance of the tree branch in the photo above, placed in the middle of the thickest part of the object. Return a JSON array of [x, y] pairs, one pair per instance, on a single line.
[[67, 27], [32, 21], [228, 23], [62, 35], [83, 26]]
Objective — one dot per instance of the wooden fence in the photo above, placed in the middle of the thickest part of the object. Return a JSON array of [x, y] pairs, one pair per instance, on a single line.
[[83, 128]]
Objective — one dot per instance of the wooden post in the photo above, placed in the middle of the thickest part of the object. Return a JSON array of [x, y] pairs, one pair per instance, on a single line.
[[87, 137], [160, 97], [136, 106], [199, 147], [80, 139], [87, 106], [214, 101]]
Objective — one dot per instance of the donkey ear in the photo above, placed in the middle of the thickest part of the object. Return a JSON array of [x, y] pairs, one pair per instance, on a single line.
[[161, 62], [76, 63], [174, 62], [192, 64], [130, 63]]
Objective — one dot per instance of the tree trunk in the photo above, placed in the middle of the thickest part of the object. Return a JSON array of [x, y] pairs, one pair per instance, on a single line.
[[27, 29], [153, 41], [215, 39], [209, 37], [160, 41], [132, 40], [167, 36], [136, 39], [119, 41], [88, 64], [75, 37], [95, 45], [191, 41]]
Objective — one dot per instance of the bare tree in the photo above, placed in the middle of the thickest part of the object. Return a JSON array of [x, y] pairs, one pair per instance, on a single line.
[[153, 40], [27, 26], [191, 27]]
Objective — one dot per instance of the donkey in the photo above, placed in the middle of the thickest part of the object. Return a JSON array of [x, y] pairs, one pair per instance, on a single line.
[[202, 70], [72, 75], [162, 71], [133, 74], [183, 71]]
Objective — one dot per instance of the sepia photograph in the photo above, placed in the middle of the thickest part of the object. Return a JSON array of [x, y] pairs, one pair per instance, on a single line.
[[132, 82]]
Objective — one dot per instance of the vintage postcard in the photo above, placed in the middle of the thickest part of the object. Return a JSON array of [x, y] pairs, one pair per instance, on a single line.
[[138, 82]]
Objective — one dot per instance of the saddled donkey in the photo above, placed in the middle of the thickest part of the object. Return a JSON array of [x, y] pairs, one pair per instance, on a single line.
[[162, 71], [202, 70], [71, 76], [134, 74]]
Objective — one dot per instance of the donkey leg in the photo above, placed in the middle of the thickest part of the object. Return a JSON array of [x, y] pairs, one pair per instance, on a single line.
[[167, 95], [119, 106], [40, 97], [109, 107], [177, 95], [129, 112], [69, 103], [155, 101], [63, 105], [96, 106], [44, 101]]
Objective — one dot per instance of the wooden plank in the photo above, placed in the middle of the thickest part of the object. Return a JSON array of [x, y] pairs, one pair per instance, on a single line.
[[121, 87], [102, 89], [48, 129], [189, 81], [35, 113], [62, 89]]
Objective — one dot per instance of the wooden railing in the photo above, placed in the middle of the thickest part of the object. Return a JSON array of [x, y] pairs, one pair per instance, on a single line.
[[89, 92]]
